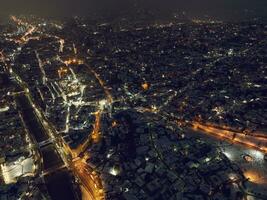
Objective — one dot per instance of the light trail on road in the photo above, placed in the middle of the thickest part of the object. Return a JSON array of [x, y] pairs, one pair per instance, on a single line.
[[249, 141], [90, 181]]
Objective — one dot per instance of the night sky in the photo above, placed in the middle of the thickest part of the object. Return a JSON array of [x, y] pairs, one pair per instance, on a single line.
[[225, 9]]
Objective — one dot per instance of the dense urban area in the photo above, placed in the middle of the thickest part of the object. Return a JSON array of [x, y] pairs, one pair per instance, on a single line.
[[129, 109]]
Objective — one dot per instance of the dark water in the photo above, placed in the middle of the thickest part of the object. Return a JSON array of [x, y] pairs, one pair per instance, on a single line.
[[30, 120], [58, 181], [59, 186], [51, 159]]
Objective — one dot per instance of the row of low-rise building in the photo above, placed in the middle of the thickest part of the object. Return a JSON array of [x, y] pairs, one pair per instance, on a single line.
[[139, 158]]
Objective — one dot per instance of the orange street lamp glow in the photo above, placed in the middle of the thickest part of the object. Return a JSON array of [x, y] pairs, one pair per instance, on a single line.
[[145, 86]]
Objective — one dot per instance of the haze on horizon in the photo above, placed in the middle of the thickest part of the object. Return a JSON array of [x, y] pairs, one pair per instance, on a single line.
[[221, 9]]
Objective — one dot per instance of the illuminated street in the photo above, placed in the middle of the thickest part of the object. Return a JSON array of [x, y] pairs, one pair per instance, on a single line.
[[134, 104], [250, 141], [254, 170]]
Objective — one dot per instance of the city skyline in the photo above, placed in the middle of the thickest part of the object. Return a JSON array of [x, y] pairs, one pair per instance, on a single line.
[[133, 103]]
